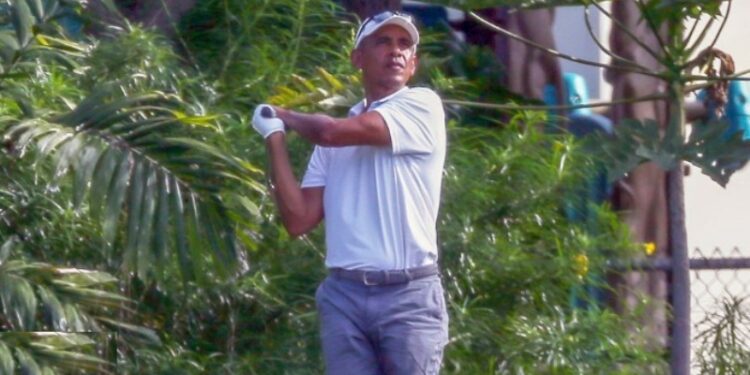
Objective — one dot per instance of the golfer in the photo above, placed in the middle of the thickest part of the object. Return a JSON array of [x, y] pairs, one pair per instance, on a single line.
[[375, 178]]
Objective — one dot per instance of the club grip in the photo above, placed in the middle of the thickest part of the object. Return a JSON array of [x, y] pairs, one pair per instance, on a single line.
[[267, 112]]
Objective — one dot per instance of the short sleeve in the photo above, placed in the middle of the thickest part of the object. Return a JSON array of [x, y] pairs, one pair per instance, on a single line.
[[317, 168], [415, 120]]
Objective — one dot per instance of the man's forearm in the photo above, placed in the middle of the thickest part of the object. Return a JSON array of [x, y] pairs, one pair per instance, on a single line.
[[288, 194], [315, 128]]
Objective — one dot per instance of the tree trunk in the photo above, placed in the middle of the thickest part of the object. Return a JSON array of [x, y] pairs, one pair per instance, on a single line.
[[642, 195]]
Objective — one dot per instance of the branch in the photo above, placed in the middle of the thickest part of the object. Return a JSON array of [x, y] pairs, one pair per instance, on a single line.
[[531, 43], [721, 27], [653, 27], [602, 47], [733, 77], [692, 88], [627, 32], [692, 48], [701, 36], [686, 41], [507, 107]]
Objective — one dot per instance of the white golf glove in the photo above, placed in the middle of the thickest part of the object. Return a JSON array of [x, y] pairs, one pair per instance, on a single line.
[[269, 124]]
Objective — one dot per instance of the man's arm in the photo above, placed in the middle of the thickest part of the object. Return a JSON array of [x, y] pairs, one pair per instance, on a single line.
[[368, 128], [301, 209]]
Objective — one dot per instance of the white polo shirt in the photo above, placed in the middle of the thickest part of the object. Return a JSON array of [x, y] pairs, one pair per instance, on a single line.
[[381, 203]]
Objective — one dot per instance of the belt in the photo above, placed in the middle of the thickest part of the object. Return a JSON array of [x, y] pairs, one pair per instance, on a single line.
[[385, 277]]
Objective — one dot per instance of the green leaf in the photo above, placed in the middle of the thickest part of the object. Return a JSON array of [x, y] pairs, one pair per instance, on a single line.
[[180, 231], [87, 278], [37, 9], [51, 7], [332, 81], [49, 141], [134, 206], [54, 310], [23, 22], [142, 332], [68, 153], [249, 205], [7, 247], [146, 223], [162, 218], [102, 175], [96, 297], [194, 232], [27, 363], [62, 341], [7, 364], [221, 242], [8, 42], [84, 169], [19, 302], [115, 197], [75, 322]]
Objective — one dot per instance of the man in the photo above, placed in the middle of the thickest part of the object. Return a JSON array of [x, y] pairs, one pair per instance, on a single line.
[[375, 177]]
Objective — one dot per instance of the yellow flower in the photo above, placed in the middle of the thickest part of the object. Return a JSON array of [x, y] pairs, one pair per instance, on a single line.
[[649, 248], [581, 264]]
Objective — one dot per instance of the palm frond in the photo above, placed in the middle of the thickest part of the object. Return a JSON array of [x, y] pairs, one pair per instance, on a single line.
[[24, 41], [56, 319], [49, 353], [132, 157], [323, 91], [39, 296]]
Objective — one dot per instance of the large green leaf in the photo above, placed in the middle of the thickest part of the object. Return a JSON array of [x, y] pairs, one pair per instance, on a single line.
[[715, 151], [133, 155], [37, 9], [709, 147], [7, 363], [7, 247], [50, 353], [27, 363], [53, 309], [23, 22], [18, 301]]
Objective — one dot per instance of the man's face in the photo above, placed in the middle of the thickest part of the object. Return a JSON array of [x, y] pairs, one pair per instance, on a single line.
[[387, 57]]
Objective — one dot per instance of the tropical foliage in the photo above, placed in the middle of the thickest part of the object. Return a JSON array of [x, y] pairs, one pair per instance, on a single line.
[[723, 345], [136, 231]]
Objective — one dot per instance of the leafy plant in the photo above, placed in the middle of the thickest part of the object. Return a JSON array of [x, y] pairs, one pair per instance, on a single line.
[[513, 257], [724, 345]]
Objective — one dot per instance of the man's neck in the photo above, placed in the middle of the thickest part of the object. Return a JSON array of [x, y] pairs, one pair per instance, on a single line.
[[374, 94]]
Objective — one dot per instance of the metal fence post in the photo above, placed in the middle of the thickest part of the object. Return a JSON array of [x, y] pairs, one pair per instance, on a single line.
[[680, 342]]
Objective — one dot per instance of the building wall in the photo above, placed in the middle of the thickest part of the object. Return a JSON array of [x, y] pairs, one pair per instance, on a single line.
[[572, 38]]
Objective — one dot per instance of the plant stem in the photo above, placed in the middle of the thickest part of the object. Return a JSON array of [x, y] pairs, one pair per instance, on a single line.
[[680, 340], [601, 46], [542, 107]]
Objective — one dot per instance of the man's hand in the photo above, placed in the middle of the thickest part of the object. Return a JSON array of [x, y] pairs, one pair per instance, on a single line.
[[265, 121]]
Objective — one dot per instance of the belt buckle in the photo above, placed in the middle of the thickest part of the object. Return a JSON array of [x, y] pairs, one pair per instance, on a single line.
[[366, 281]]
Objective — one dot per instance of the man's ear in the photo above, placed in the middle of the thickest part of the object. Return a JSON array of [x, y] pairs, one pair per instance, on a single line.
[[415, 64], [356, 58]]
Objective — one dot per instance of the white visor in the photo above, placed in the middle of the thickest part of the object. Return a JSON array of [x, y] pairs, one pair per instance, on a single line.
[[374, 23]]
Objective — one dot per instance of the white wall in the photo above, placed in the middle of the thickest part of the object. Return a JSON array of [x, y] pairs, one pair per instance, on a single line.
[[573, 38]]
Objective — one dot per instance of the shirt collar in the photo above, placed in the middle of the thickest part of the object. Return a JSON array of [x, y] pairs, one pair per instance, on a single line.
[[360, 107]]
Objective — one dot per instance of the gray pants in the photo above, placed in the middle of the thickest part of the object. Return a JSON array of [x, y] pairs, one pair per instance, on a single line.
[[382, 329]]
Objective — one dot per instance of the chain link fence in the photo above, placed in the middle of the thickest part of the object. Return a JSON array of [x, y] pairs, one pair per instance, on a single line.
[[720, 307]]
